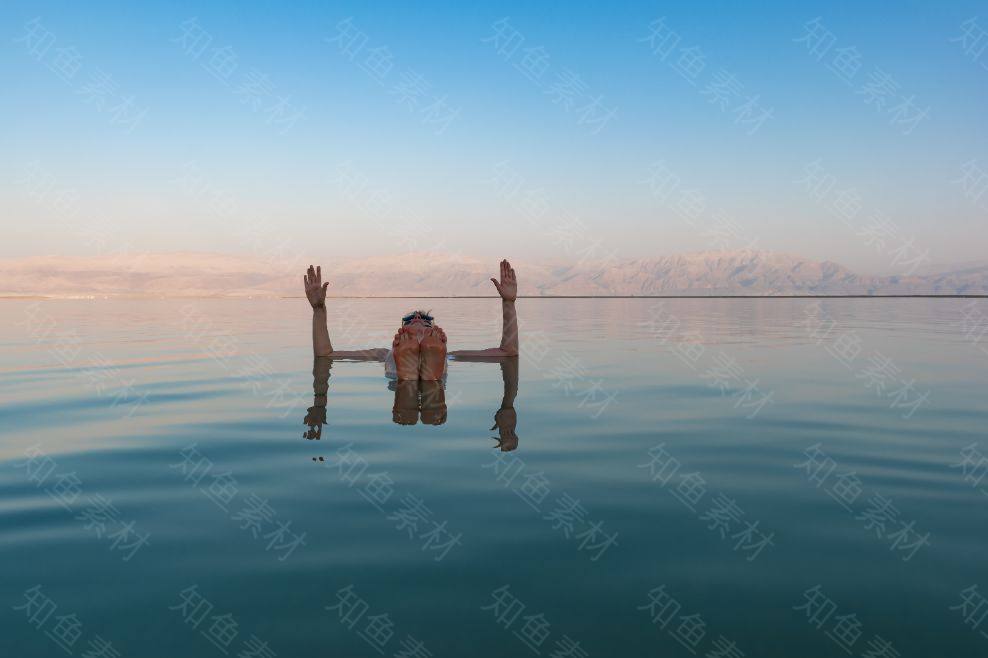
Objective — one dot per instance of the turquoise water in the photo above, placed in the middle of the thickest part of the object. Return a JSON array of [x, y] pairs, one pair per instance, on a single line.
[[688, 477]]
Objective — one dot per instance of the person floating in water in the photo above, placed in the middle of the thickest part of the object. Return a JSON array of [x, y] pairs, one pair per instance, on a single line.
[[418, 351], [416, 362]]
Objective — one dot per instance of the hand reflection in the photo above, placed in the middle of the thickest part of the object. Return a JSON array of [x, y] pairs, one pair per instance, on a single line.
[[315, 416], [505, 421], [506, 418]]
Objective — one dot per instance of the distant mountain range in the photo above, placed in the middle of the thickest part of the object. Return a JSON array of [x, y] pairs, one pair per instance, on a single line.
[[417, 274]]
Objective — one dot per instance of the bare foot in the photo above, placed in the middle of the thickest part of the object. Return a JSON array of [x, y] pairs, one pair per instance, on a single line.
[[406, 353], [433, 352]]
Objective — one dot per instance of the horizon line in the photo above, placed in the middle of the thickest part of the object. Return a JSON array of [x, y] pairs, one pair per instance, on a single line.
[[251, 297]]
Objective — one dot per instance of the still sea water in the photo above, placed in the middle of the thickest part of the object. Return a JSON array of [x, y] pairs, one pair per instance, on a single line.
[[757, 477]]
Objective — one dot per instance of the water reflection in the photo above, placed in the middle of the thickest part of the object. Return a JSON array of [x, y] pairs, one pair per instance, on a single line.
[[418, 400], [506, 418], [315, 416]]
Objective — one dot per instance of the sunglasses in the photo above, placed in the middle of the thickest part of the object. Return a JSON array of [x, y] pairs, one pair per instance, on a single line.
[[411, 316]]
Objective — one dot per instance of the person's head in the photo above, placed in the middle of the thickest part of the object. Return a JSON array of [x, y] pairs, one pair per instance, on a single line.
[[417, 321]]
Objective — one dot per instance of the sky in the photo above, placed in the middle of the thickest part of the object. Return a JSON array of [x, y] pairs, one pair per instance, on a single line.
[[848, 131]]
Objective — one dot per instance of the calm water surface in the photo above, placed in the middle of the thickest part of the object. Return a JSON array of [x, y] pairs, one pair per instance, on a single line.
[[792, 478]]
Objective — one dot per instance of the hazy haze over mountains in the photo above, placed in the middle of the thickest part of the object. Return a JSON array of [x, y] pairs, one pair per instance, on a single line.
[[705, 273]]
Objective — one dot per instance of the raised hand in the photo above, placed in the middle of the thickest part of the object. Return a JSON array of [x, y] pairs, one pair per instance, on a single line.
[[315, 289], [507, 287]]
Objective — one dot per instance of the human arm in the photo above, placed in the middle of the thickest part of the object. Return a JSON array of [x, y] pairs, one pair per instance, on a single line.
[[315, 292], [507, 288]]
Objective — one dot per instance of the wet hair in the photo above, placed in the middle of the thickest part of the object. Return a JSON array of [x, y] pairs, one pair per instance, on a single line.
[[427, 315]]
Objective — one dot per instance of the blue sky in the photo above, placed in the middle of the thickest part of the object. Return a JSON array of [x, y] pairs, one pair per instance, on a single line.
[[486, 161]]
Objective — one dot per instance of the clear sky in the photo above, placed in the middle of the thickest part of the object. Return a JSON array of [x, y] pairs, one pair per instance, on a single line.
[[570, 130]]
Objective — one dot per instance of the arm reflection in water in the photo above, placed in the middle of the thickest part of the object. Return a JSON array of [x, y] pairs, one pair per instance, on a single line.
[[425, 400], [506, 418], [315, 416]]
